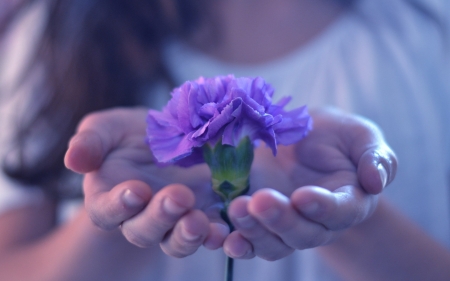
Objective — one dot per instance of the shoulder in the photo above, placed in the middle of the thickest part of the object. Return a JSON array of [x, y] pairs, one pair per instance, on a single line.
[[412, 36], [399, 10]]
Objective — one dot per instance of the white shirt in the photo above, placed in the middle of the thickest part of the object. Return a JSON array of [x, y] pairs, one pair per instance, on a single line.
[[387, 61], [384, 60]]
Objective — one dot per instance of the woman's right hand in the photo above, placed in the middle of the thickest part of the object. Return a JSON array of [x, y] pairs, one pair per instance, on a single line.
[[124, 188]]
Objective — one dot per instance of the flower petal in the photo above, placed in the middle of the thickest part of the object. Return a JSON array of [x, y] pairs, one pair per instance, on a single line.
[[295, 125], [224, 108]]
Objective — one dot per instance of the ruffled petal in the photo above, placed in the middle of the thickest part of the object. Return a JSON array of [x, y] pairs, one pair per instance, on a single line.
[[223, 108], [294, 126]]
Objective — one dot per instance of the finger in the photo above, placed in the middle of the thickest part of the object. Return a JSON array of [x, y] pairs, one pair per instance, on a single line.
[[337, 210], [109, 209], [85, 152], [377, 168], [265, 244], [363, 142], [187, 235], [376, 162], [274, 211], [160, 216], [100, 132], [237, 247], [218, 232]]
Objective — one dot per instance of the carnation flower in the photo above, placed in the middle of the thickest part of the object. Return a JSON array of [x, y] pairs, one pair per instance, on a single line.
[[218, 121], [222, 109]]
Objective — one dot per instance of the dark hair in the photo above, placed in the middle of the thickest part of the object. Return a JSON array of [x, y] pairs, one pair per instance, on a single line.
[[95, 54]]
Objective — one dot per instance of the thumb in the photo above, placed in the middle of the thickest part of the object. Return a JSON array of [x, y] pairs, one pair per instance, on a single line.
[[85, 152], [99, 133]]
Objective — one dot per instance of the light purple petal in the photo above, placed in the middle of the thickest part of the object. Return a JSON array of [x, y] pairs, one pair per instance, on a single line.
[[225, 117], [223, 108], [208, 110], [262, 92], [194, 106], [183, 109], [295, 125], [171, 150], [249, 122], [200, 133]]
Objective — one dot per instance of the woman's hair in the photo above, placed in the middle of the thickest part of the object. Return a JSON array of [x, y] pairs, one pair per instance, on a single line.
[[93, 54]]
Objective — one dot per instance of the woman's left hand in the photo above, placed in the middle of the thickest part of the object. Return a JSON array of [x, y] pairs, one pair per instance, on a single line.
[[326, 183]]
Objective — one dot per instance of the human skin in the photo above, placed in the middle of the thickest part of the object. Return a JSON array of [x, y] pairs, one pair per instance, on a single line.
[[387, 245], [341, 152], [337, 167], [32, 234], [79, 250]]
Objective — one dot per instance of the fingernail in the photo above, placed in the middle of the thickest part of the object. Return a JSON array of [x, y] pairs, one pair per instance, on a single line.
[[188, 236], [173, 207], [132, 200], [383, 174], [245, 222], [311, 209]]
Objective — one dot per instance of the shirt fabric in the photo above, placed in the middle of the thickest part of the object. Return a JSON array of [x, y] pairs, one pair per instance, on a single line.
[[387, 60]]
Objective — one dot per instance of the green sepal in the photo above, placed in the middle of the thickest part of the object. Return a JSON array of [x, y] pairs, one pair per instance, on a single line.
[[230, 167]]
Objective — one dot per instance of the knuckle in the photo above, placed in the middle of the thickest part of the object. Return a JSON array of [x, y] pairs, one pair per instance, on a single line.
[[164, 222], [106, 217], [98, 221]]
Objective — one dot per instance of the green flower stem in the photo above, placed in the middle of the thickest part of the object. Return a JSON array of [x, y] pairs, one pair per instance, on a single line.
[[230, 170], [229, 269], [229, 262]]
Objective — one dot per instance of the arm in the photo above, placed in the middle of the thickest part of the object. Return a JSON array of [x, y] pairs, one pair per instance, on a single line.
[[32, 248], [388, 246]]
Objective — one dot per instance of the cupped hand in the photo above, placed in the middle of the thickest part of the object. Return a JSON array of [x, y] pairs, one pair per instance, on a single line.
[[171, 206], [316, 189]]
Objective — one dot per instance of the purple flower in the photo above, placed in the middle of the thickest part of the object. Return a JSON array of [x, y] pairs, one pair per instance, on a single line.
[[225, 109]]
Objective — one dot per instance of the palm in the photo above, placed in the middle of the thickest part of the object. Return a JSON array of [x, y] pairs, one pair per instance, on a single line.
[[131, 159], [341, 154], [320, 159]]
